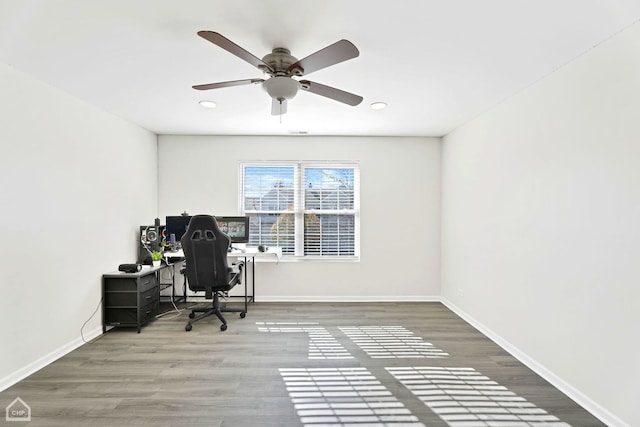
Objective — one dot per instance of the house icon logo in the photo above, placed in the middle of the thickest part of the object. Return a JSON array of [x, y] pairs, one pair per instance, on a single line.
[[18, 410]]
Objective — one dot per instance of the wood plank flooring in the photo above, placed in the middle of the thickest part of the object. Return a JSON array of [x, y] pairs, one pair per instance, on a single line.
[[297, 364]]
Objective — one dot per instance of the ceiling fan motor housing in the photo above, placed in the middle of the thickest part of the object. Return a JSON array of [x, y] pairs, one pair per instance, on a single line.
[[280, 59]]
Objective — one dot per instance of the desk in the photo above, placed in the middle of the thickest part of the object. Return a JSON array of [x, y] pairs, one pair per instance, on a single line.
[[249, 256]]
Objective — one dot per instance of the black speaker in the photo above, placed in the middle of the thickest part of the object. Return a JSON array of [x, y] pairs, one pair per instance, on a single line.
[[155, 245], [130, 268]]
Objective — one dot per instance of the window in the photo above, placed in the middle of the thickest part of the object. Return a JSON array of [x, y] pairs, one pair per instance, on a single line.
[[310, 210]]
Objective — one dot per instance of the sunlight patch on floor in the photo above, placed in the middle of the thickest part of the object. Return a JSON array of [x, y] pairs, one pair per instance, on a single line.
[[336, 397], [463, 397]]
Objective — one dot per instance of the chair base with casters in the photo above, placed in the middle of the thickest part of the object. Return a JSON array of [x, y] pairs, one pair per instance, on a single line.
[[216, 308]]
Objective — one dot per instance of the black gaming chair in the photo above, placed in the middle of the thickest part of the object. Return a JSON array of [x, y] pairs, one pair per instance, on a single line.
[[205, 249]]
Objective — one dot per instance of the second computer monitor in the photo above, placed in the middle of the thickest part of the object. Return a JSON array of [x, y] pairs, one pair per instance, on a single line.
[[236, 227], [176, 226]]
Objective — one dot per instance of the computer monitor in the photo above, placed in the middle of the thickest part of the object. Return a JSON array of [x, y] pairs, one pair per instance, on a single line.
[[236, 227], [176, 226]]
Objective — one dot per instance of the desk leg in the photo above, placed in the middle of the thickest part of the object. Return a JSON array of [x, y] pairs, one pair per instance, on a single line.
[[177, 296], [246, 305], [253, 280], [173, 283]]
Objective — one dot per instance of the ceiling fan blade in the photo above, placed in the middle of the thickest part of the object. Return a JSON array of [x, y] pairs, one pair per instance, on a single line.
[[331, 92], [333, 54], [227, 84], [278, 107], [233, 48]]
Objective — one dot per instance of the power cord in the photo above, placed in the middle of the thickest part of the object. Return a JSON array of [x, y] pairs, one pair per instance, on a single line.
[[87, 321], [175, 308]]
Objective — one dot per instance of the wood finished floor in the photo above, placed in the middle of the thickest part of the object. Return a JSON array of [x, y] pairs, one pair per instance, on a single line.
[[165, 376]]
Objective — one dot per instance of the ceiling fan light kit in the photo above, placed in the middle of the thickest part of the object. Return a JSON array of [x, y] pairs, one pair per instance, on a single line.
[[281, 88], [281, 66]]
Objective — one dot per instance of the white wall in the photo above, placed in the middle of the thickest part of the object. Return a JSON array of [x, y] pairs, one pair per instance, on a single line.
[[400, 204], [76, 182], [541, 226]]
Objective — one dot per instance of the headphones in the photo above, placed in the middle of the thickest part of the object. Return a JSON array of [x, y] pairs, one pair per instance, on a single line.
[[150, 234]]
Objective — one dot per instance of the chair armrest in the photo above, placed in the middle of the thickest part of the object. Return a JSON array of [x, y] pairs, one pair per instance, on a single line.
[[235, 273], [236, 266]]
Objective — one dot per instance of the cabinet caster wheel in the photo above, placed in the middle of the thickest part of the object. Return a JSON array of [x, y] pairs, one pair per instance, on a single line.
[[223, 327], [243, 314], [188, 327], [192, 315]]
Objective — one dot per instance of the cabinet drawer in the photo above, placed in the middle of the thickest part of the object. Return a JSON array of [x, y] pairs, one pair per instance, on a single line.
[[148, 312], [149, 296], [148, 282]]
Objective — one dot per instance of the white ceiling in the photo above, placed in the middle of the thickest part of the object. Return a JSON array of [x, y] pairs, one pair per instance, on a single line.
[[436, 63]]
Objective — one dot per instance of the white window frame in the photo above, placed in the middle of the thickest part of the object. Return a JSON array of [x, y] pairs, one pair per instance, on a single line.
[[299, 202]]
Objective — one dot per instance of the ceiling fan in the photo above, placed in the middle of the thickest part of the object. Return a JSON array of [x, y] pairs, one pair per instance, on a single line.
[[282, 67]]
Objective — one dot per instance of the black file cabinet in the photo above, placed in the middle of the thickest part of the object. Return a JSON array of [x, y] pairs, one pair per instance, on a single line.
[[130, 299]]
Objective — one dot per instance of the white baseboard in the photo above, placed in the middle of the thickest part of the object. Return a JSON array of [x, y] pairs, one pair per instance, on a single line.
[[355, 298], [45, 360], [596, 410]]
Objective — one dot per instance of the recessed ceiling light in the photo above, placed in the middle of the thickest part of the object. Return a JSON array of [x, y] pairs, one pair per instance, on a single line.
[[208, 104], [378, 105]]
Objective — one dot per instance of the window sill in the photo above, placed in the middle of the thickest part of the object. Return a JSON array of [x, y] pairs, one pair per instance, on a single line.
[[291, 258]]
